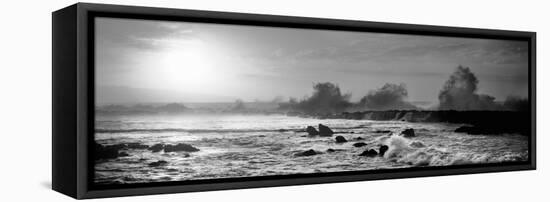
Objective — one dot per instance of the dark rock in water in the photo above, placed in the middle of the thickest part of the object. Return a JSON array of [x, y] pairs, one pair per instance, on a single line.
[[311, 131], [409, 132], [382, 131], [358, 138], [493, 129], [325, 131], [369, 153], [475, 130], [180, 147], [359, 144], [136, 145], [468, 129], [156, 147], [283, 130], [330, 150], [417, 144], [158, 163], [105, 152], [117, 146], [310, 152], [383, 149], [340, 139], [123, 154]]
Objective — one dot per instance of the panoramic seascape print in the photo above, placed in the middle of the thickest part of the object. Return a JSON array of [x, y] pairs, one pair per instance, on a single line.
[[181, 101]]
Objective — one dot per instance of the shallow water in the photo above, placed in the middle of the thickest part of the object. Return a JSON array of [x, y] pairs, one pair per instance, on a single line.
[[254, 145]]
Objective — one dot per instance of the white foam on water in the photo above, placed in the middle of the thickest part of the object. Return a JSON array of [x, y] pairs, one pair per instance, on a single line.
[[243, 146]]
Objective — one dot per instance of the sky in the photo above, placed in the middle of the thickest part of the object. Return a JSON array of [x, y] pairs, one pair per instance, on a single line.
[[163, 61]]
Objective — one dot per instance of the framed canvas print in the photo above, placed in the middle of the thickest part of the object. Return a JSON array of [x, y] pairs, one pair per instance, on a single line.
[[154, 100]]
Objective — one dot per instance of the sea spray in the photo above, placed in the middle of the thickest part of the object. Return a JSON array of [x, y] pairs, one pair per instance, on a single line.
[[410, 152], [398, 146]]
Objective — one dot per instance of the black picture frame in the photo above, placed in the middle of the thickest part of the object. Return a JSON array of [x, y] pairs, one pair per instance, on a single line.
[[73, 99]]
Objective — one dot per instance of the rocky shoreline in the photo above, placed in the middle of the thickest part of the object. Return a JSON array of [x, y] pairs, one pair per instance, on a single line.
[[105, 152], [475, 122]]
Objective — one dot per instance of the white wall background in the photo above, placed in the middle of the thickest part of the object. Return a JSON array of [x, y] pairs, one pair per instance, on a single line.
[[25, 96]]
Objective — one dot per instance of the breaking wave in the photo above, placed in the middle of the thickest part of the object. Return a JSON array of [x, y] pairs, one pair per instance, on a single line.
[[416, 153]]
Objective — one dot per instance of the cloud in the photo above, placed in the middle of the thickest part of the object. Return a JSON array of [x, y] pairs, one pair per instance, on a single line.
[[389, 48], [142, 34]]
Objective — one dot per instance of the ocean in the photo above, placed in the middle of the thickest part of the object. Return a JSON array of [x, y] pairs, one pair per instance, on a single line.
[[233, 146]]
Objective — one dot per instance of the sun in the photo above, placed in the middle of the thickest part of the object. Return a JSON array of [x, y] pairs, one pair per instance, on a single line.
[[189, 67]]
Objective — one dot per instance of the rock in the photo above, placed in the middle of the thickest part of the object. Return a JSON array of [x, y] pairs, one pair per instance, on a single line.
[[359, 144], [310, 152], [283, 130], [464, 129], [136, 145], [473, 130], [123, 154], [158, 163], [417, 144], [409, 132], [382, 131], [117, 146], [325, 131], [105, 152], [369, 153], [311, 131], [340, 139], [180, 147], [156, 147], [358, 138], [383, 149], [330, 150]]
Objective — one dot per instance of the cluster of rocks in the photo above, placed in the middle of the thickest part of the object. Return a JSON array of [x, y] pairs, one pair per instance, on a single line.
[[114, 151], [173, 148], [372, 153], [482, 122], [324, 131], [108, 152]]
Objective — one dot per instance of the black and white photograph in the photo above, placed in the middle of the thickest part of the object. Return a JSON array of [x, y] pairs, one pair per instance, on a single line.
[[184, 101], [275, 100]]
